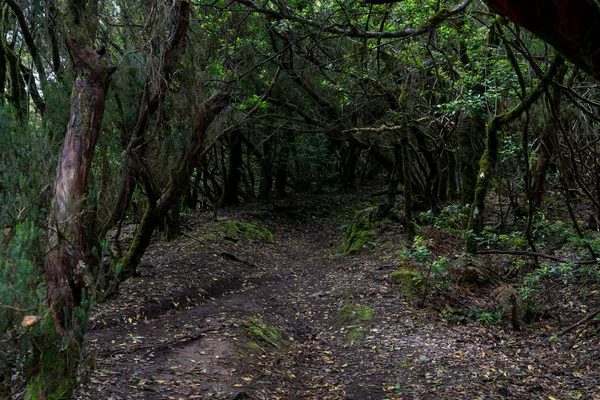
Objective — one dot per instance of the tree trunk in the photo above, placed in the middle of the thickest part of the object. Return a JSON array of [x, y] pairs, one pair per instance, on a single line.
[[349, 164], [266, 167], [384, 209], [408, 196], [470, 149], [3, 60], [232, 181], [69, 263], [281, 173]]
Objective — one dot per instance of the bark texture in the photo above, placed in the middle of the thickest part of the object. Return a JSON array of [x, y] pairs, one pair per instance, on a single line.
[[68, 256]]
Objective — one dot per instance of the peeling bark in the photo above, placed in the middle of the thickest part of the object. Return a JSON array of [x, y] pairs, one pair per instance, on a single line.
[[68, 254]]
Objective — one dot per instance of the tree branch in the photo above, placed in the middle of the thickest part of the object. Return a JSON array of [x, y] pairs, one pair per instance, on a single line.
[[352, 31]]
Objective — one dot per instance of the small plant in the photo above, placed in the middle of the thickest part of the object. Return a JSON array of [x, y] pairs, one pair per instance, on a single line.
[[419, 252], [488, 318], [452, 316], [452, 218]]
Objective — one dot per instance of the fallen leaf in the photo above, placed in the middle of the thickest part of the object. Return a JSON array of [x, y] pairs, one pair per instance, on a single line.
[[29, 320]]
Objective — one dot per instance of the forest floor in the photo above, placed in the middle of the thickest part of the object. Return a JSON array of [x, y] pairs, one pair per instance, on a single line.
[[223, 314]]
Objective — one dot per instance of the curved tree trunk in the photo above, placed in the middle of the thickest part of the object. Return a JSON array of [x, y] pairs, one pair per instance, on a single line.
[[69, 262]]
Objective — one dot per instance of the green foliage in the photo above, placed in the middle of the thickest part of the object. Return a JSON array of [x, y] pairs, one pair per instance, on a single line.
[[21, 294], [55, 356], [245, 231], [313, 164], [486, 317], [452, 218], [453, 316], [534, 281], [419, 252], [27, 164]]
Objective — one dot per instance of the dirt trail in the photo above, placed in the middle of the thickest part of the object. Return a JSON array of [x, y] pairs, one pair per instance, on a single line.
[[187, 329]]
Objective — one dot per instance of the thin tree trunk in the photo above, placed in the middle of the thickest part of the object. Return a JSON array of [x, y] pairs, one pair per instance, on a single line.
[[384, 209], [407, 180], [232, 180]]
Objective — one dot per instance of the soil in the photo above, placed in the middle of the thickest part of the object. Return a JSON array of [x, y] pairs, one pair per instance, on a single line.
[[214, 316]]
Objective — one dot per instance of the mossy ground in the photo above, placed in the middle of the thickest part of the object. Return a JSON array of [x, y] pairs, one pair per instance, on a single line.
[[264, 332], [353, 319], [410, 282], [245, 231]]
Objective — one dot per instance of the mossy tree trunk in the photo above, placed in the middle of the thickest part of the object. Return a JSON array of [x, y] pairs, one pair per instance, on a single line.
[[266, 168], [349, 163], [281, 172], [547, 150], [17, 96], [470, 149], [3, 59], [134, 165], [69, 262], [487, 164]]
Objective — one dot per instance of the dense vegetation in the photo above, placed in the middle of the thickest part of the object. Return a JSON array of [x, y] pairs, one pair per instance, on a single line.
[[478, 128]]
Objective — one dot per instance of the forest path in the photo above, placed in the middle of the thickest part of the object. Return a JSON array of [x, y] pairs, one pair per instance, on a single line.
[[203, 322]]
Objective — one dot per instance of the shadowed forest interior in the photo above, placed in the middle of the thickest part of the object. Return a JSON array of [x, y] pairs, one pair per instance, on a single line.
[[245, 199]]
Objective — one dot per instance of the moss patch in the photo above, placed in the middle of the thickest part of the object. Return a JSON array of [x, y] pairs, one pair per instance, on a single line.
[[55, 375], [410, 282], [361, 232], [245, 231], [352, 318], [264, 332]]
